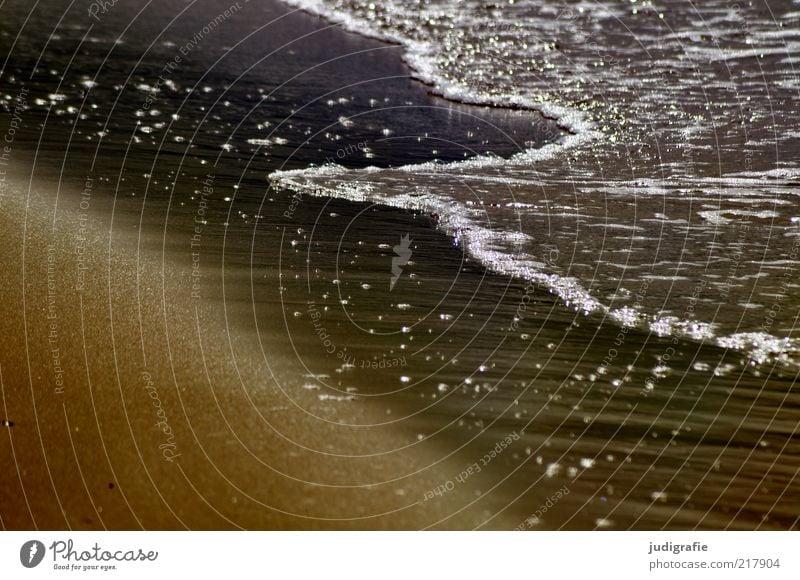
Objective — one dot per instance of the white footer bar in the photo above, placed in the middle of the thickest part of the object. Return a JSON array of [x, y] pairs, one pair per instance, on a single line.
[[400, 555]]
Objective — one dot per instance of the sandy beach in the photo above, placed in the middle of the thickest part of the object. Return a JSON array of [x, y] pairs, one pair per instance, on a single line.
[[336, 268], [134, 405]]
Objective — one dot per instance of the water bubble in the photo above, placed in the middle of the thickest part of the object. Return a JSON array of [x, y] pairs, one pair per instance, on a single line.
[[552, 470]]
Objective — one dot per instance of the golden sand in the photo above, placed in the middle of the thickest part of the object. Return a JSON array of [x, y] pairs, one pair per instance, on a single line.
[[130, 404]]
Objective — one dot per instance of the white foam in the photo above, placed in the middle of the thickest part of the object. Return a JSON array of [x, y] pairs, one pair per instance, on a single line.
[[490, 245], [262, 142]]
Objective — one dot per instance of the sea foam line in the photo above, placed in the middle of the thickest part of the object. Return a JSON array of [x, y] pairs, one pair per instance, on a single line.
[[477, 240]]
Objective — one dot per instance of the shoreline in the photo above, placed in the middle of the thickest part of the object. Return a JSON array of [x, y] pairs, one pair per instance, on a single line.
[[357, 184], [104, 434], [212, 346]]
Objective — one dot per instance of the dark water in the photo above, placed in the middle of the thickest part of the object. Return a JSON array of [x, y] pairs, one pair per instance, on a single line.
[[539, 414]]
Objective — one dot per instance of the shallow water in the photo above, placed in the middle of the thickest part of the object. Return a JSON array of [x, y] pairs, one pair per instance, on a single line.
[[637, 196], [672, 204]]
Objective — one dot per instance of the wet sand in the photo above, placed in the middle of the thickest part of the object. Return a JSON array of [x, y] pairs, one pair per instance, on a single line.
[[159, 410], [134, 405]]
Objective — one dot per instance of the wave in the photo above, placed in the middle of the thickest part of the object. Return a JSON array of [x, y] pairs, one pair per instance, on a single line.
[[500, 244]]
